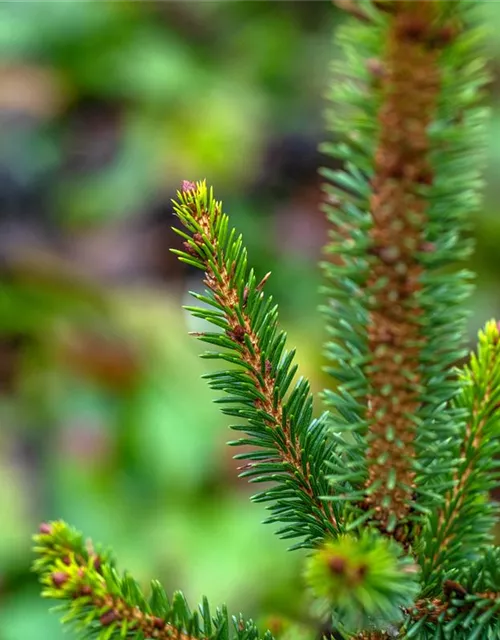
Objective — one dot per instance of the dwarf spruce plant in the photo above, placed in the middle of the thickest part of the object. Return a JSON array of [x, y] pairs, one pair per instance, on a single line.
[[388, 490]]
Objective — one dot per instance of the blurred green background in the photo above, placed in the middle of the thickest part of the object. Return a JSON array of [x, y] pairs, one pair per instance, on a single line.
[[104, 108]]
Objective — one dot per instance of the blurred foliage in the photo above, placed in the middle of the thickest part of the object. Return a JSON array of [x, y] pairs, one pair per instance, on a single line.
[[104, 108]]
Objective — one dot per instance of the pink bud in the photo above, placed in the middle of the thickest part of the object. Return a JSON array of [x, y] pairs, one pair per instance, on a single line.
[[108, 618], [188, 186], [59, 578], [97, 563]]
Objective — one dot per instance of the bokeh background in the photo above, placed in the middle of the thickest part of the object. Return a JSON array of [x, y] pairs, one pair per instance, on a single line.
[[104, 108]]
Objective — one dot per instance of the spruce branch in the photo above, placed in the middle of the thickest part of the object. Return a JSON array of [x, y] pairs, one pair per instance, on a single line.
[[397, 234], [390, 490], [291, 447], [458, 530], [102, 604], [459, 616], [468, 606], [399, 216]]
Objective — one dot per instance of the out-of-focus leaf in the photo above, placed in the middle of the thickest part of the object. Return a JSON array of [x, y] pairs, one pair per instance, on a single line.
[[26, 615], [30, 29]]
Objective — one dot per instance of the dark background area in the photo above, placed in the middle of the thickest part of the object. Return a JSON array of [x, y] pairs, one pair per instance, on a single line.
[[104, 108]]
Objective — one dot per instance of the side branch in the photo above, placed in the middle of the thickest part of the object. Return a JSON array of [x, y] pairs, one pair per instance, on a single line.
[[102, 604], [293, 447], [449, 539]]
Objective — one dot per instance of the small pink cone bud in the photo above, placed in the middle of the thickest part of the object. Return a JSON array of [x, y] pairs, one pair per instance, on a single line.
[[158, 623], [108, 618], [45, 528], [97, 563], [427, 247], [187, 185], [84, 590], [59, 578], [376, 67]]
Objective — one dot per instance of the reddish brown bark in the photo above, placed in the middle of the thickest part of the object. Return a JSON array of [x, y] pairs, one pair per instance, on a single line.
[[410, 86]]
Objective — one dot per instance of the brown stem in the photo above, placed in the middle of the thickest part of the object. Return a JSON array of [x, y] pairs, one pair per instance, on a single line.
[[433, 609], [430, 609], [151, 626], [410, 87]]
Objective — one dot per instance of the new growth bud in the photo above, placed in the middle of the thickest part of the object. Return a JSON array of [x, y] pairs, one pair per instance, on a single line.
[[187, 185], [343, 571], [59, 579], [108, 618]]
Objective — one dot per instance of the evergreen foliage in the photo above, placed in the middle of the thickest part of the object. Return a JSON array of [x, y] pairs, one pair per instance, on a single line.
[[456, 532], [389, 489], [291, 446], [101, 603]]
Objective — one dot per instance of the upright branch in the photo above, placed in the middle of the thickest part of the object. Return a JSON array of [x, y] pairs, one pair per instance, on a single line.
[[399, 210], [292, 448], [410, 88]]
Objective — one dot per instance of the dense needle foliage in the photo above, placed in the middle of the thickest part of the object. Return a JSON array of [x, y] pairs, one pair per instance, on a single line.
[[388, 490]]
